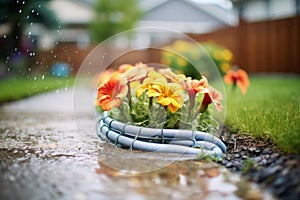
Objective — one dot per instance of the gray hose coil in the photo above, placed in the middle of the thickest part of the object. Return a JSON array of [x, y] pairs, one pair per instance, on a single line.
[[159, 140]]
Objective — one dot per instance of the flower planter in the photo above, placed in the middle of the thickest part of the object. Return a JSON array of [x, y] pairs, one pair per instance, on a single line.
[[159, 140]]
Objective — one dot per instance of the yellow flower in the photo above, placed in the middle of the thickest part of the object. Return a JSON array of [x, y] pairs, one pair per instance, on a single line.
[[170, 95], [153, 77], [227, 55]]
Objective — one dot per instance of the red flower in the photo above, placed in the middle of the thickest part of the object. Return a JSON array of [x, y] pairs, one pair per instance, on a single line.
[[213, 96], [110, 94]]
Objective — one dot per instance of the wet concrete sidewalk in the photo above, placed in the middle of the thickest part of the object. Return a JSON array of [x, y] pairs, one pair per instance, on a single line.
[[44, 155]]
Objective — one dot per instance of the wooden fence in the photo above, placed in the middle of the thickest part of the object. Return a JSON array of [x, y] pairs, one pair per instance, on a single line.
[[268, 46]]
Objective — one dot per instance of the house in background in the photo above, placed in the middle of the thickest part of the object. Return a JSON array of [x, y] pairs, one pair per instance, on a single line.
[[74, 17], [183, 16]]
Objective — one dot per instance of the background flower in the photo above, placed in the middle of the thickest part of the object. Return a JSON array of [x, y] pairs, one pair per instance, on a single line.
[[238, 77]]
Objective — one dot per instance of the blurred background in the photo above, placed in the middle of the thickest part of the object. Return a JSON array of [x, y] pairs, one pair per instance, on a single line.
[[51, 38]]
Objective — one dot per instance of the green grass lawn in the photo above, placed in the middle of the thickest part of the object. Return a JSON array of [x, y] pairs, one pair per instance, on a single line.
[[269, 110], [19, 87]]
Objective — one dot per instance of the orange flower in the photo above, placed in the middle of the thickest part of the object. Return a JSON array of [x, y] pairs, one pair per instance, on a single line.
[[125, 67], [169, 74], [105, 76], [110, 94], [238, 77], [136, 73], [195, 86], [213, 96]]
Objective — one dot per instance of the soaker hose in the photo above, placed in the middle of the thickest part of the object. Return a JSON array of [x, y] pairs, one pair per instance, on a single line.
[[178, 141]]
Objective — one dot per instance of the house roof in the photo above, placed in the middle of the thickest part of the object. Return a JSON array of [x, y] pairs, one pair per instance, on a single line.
[[188, 16], [72, 12]]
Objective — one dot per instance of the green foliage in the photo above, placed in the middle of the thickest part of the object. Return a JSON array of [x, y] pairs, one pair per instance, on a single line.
[[113, 17], [17, 88], [248, 165], [270, 110]]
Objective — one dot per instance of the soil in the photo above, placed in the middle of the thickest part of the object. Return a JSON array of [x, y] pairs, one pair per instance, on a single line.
[[260, 161]]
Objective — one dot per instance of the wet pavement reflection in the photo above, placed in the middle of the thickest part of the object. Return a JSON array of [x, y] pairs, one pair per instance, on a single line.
[[44, 156]]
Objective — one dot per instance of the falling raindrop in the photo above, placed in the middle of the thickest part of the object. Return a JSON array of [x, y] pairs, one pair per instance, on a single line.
[[32, 10], [23, 2], [34, 78], [66, 88], [20, 11], [43, 77], [40, 5], [29, 69], [27, 17], [29, 33], [4, 36], [57, 91]]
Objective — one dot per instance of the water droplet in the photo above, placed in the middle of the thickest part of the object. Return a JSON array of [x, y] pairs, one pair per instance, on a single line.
[[37, 62], [32, 10], [20, 11], [57, 91], [29, 33], [27, 17], [40, 5], [66, 88], [23, 2], [43, 77], [4, 36], [29, 69], [8, 69], [34, 78]]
